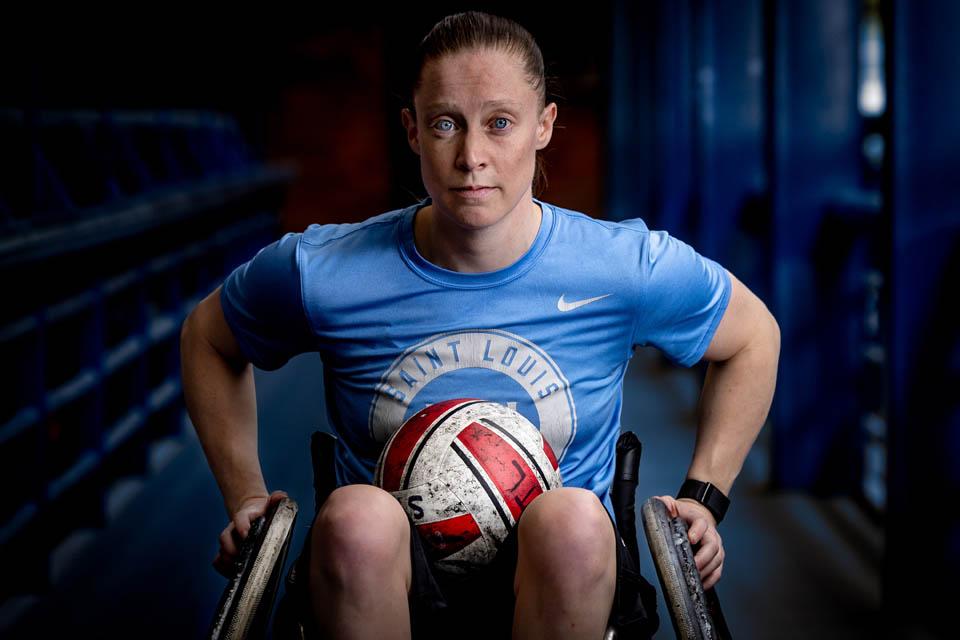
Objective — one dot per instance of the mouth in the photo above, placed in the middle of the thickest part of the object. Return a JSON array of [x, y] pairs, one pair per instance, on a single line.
[[474, 194]]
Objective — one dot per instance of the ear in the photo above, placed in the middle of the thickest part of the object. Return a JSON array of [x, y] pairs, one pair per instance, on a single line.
[[545, 127], [410, 124]]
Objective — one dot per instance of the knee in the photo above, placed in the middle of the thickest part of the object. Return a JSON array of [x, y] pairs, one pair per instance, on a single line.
[[568, 531], [359, 529]]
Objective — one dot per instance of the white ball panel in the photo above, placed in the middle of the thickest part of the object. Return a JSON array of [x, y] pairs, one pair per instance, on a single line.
[[436, 502]]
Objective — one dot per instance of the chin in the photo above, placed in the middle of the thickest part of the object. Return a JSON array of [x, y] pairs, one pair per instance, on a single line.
[[474, 216], [474, 222]]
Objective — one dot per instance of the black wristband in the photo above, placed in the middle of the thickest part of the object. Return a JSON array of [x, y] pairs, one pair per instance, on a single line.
[[707, 495]]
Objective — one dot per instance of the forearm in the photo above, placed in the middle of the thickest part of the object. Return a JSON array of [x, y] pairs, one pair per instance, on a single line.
[[221, 401], [734, 403]]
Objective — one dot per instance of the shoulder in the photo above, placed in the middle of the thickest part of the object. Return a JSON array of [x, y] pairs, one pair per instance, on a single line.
[[279, 268], [578, 220], [378, 226], [630, 233], [575, 229]]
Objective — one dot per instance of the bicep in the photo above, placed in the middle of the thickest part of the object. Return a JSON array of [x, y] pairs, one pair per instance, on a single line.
[[208, 323], [745, 319]]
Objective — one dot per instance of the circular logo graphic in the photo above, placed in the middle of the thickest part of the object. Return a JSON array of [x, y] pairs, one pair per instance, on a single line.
[[508, 354]]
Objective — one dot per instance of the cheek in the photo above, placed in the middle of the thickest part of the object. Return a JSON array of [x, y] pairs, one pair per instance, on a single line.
[[523, 156], [433, 154], [527, 148], [428, 162], [435, 172]]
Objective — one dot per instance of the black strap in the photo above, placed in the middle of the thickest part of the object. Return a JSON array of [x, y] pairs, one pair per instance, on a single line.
[[707, 495]]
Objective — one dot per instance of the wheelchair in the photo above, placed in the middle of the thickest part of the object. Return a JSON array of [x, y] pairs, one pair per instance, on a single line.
[[247, 603]]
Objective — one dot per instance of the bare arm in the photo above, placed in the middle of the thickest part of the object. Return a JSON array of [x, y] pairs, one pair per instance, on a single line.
[[738, 389], [734, 402], [219, 391]]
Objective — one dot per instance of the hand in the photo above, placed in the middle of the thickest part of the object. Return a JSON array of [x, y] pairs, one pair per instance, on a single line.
[[249, 510], [701, 528]]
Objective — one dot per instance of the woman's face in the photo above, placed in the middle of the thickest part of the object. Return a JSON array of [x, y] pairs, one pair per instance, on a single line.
[[478, 125]]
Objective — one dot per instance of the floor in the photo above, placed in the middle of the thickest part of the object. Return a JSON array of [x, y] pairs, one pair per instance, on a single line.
[[796, 567]]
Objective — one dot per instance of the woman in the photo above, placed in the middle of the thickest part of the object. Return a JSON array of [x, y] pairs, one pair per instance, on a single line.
[[508, 298]]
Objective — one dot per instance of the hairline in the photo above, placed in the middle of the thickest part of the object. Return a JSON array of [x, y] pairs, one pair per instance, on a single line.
[[511, 49]]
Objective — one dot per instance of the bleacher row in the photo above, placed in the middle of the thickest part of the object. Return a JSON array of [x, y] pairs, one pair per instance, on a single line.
[[113, 225]]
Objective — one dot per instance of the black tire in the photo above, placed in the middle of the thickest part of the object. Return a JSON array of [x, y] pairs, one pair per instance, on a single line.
[[673, 557], [247, 602]]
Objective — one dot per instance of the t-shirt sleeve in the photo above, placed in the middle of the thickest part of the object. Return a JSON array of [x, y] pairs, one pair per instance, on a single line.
[[263, 304], [682, 297]]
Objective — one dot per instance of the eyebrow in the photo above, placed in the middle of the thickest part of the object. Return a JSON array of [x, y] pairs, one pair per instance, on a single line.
[[447, 106]]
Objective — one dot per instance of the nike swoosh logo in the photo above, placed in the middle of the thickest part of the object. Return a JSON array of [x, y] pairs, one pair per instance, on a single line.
[[563, 305]]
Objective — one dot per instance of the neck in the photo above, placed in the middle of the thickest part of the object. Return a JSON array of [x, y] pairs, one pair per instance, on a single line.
[[477, 250]]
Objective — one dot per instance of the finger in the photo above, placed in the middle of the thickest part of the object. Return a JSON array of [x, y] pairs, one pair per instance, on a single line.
[[227, 544], [712, 564], [241, 526], [697, 529], [671, 505], [708, 549], [245, 517], [274, 498], [693, 511], [223, 566], [714, 578]]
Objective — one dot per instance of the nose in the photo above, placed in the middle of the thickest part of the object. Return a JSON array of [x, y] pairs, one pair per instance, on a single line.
[[473, 153]]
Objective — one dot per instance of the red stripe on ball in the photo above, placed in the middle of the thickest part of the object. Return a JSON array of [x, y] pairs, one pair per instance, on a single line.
[[507, 469], [446, 537], [549, 451], [410, 434]]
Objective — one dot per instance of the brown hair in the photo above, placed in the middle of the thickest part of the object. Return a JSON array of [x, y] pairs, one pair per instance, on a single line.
[[477, 30]]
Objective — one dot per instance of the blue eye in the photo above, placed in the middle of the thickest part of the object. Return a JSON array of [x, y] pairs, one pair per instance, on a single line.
[[440, 122], [505, 122]]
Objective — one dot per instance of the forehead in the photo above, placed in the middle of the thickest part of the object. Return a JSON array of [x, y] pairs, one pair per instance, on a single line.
[[475, 79]]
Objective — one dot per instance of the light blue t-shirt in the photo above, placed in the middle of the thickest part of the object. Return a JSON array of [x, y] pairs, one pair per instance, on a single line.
[[551, 335]]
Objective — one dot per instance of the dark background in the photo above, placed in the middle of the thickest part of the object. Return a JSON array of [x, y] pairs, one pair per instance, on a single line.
[[737, 126]]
